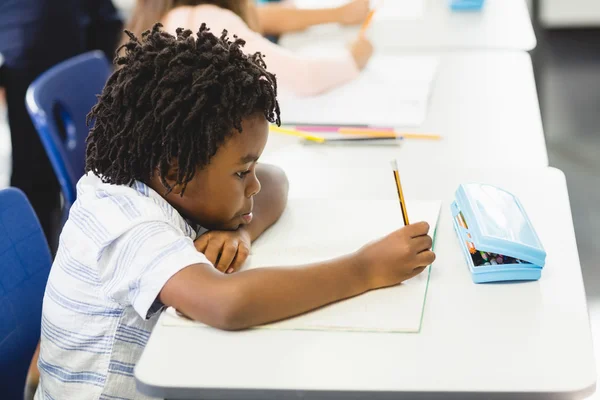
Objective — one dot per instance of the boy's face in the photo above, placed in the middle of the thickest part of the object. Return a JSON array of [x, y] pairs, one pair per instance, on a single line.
[[220, 196]]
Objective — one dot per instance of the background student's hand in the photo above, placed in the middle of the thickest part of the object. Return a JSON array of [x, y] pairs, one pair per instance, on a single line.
[[361, 50], [354, 13], [227, 250], [397, 257]]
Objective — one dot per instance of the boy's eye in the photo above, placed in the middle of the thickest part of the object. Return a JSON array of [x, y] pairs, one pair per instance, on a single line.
[[242, 174]]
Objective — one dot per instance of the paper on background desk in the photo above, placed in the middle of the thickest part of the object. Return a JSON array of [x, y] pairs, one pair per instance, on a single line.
[[391, 91], [313, 230], [387, 10]]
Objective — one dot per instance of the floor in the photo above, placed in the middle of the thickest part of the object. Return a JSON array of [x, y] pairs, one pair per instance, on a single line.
[[567, 64]]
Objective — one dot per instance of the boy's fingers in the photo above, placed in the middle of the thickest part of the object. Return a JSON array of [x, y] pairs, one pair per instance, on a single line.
[[426, 257], [422, 243], [240, 258], [227, 256], [212, 251], [418, 229], [201, 243]]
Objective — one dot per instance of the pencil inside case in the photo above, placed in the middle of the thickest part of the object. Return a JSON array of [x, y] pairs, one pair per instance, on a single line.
[[496, 236]]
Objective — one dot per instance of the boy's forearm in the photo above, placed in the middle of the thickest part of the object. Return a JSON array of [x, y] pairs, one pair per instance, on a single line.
[[278, 19], [263, 295], [270, 202]]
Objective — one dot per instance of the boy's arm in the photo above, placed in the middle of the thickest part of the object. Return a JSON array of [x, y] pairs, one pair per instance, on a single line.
[[261, 295], [257, 296], [270, 202]]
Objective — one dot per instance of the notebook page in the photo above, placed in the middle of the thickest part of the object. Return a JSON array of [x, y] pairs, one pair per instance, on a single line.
[[391, 91]]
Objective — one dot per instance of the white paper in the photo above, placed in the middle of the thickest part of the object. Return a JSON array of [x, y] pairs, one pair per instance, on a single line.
[[312, 230], [393, 91]]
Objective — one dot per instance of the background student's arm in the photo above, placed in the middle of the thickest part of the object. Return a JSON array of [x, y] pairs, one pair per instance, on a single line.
[[275, 19], [306, 75], [263, 295]]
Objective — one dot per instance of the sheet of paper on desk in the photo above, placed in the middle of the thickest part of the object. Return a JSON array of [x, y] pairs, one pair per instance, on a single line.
[[387, 9], [391, 91], [312, 230]]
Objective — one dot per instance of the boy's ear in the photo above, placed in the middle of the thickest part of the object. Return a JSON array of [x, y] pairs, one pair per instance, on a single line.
[[171, 178]]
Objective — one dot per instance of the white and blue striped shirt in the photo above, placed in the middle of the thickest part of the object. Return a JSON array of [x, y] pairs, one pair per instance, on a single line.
[[118, 248]]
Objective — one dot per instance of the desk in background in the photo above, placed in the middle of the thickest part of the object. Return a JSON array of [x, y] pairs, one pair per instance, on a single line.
[[501, 24], [484, 104]]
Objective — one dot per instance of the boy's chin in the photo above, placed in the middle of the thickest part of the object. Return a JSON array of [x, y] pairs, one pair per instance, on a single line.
[[228, 226]]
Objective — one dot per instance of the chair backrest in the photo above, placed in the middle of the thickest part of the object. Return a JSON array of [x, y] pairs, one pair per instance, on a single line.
[[58, 102], [24, 266]]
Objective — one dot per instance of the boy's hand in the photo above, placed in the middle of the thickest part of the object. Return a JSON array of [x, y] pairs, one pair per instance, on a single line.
[[227, 250], [398, 256]]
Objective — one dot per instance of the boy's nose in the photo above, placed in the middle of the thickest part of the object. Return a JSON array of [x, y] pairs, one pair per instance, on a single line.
[[254, 187]]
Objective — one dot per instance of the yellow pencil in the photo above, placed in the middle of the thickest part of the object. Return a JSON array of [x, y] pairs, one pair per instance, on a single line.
[[304, 135], [383, 133], [400, 194]]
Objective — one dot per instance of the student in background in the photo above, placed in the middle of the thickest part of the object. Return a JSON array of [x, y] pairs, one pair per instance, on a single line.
[[34, 36], [165, 216], [301, 75]]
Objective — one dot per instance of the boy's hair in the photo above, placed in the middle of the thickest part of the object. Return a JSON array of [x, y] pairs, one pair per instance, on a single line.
[[175, 100]]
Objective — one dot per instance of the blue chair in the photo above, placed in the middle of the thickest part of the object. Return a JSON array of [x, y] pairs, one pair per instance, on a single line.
[[58, 102], [24, 266]]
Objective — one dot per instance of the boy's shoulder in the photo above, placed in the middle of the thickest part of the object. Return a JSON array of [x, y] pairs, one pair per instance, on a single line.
[[115, 209]]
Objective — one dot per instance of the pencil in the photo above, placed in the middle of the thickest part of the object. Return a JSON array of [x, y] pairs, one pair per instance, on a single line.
[[400, 194], [367, 22], [384, 133], [293, 132]]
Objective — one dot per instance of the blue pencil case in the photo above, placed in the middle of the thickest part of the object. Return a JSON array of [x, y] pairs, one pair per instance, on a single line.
[[466, 5], [496, 236]]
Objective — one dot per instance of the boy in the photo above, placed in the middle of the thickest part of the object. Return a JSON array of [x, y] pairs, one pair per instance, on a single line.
[[165, 216]]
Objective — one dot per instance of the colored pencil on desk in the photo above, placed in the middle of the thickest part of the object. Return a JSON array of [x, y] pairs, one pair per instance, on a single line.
[[336, 128], [293, 132], [400, 193], [384, 133]]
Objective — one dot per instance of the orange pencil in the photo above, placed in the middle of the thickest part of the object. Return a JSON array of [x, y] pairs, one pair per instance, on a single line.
[[376, 133], [367, 22]]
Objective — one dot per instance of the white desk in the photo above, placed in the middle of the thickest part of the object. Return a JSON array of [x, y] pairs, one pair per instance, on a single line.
[[501, 24], [484, 104], [528, 340]]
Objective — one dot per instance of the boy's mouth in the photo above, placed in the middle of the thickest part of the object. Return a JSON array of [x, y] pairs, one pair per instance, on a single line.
[[247, 218]]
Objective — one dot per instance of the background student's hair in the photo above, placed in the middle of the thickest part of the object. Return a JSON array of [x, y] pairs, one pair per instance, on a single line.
[[147, 12]]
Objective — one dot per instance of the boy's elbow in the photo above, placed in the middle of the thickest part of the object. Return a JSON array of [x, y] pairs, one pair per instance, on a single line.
[[231, 315], [274, 177]]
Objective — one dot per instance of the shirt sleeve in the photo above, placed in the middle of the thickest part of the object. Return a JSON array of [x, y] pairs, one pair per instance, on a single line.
[[136, 266]]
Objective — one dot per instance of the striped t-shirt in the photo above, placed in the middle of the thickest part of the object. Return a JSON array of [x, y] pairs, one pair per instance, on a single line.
[[118, 248]]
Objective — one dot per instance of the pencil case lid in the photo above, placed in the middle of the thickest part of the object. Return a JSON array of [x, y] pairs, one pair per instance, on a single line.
[[497, 222]]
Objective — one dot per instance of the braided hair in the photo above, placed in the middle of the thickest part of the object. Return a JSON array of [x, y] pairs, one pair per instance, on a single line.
[[175, 100]]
